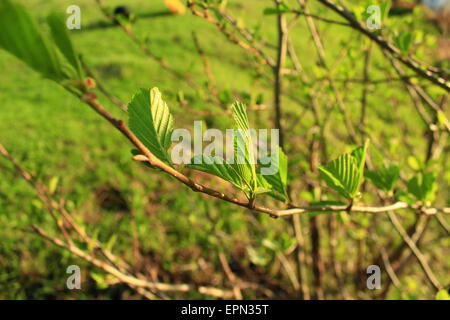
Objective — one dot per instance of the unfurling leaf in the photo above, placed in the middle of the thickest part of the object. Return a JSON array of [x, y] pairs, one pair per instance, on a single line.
[[244, 159], [241, 171]]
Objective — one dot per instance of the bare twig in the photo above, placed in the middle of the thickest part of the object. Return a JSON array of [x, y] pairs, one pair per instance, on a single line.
[[211, 81], [388, 266], [251, 48], [131, 280], [147, 156], [319, 18], [231, 276], [367, 56]]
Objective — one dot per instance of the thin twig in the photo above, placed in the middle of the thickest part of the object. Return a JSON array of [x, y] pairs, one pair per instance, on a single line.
[[420, 257], [129, 32], [252, 49], [130, 280], [231, 276], [102, 88]]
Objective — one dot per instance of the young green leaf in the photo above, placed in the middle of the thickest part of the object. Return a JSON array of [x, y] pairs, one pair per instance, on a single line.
[[20, 36], [265, 187], [414, 163], [345, 173], [53, 184], [384, 178], [423, 186], [240, 116], [241, 171], [243, 148], [404, 41], [150, 120], [258, 257], [100, 280], [241, 162], [360, 155]]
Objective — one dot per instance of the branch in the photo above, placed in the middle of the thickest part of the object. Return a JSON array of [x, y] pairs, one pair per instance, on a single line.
[[362, 209], [416, 92], [231, 276], [147, 156], [425, 72]]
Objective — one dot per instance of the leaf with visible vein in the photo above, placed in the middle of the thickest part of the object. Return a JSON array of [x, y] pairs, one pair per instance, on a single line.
[[345, 174], [216, 166], [150, 120], [243, 145]]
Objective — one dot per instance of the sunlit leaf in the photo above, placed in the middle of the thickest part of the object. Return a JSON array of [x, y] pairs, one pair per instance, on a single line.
[[244, 157], [150, 120]]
